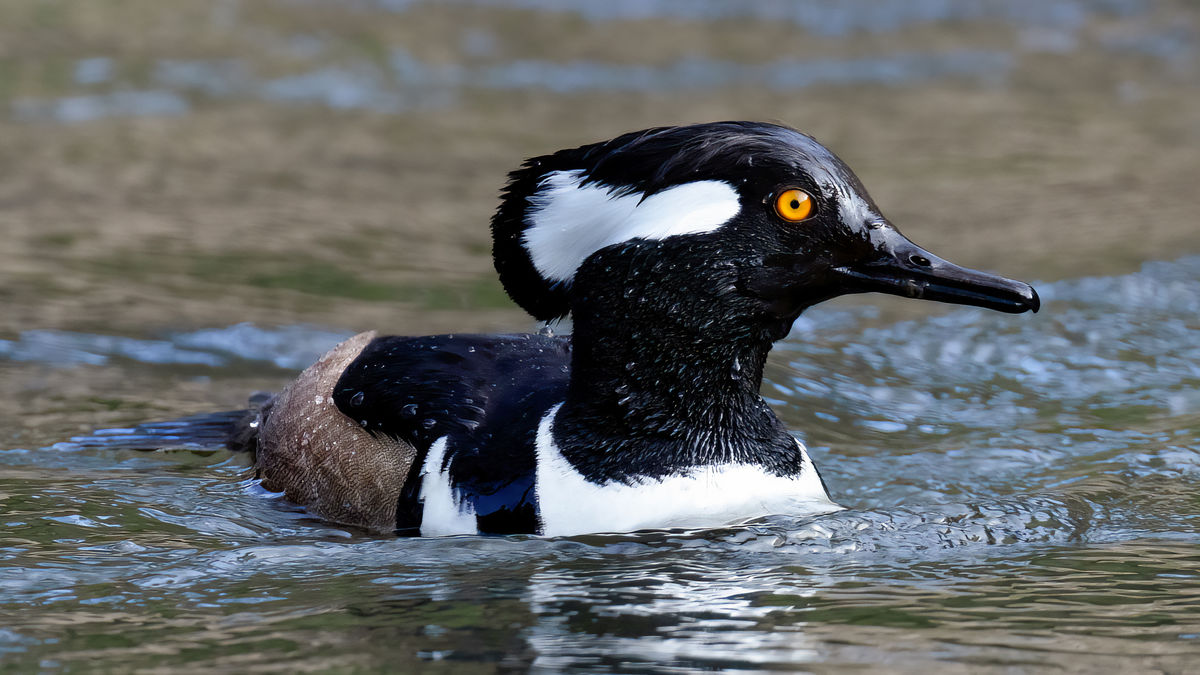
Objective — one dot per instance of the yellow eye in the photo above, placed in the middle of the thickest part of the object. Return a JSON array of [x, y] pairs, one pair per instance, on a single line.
[[793, 205]]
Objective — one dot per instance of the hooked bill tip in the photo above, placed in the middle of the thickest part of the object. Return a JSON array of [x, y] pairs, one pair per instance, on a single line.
[[1034, 302]]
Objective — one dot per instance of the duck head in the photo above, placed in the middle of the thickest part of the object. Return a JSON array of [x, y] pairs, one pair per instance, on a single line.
[[755, 221]]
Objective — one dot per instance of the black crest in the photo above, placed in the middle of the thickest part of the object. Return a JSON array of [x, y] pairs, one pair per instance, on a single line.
[[645, 162]]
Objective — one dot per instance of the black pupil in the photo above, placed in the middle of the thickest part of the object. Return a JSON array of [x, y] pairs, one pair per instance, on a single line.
[[795, 204]]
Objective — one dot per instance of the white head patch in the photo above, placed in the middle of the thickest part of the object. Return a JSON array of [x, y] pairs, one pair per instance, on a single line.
[[569, 221]]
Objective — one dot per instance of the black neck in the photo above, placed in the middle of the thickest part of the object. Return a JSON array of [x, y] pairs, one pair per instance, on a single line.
[[665, 379]]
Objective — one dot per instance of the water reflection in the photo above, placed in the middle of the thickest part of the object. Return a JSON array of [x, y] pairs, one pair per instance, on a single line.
[[638, 615]]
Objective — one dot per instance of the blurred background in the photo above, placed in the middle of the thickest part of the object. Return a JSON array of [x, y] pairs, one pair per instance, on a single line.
[[173, 165], [197, 198]]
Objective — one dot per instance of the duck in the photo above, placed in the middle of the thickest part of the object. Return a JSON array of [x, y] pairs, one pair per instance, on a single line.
[[681, 254]]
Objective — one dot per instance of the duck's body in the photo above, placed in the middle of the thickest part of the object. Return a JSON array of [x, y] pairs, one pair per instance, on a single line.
[[456, 434], [682, 255]]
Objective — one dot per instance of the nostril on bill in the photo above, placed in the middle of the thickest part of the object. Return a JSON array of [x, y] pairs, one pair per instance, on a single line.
[[919, 260]]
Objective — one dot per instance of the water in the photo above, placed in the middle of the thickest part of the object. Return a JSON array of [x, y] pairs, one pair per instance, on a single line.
[[1020, 490], [194, 212]]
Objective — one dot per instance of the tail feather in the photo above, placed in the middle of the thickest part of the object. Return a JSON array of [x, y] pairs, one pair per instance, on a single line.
[[236, 430]]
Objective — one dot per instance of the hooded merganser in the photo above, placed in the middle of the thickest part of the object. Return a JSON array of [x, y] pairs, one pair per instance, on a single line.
[[682, 254]]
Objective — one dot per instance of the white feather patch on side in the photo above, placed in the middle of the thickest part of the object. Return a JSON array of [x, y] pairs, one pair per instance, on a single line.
[[442, 514], [569, 221], [707, 496]]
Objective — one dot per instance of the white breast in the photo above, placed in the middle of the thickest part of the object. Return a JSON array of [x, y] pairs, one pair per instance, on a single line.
[[708, 496]]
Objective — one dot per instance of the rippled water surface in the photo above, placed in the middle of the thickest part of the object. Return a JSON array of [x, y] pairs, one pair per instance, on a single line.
[[1021, 491], [201, 198]]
